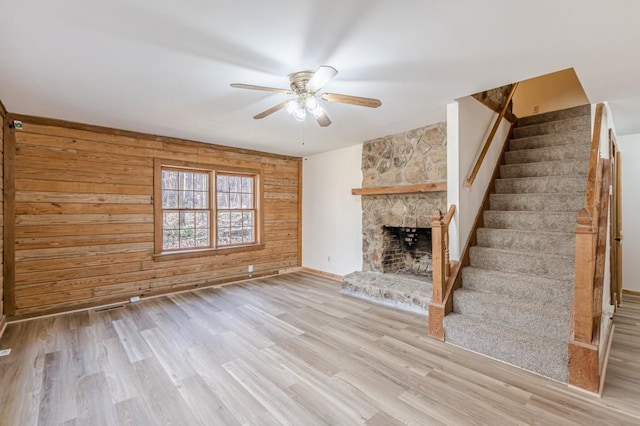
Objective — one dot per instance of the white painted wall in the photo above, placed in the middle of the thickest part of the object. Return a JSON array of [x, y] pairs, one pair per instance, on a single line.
[[331, 216], [468, 125], [629, 146]]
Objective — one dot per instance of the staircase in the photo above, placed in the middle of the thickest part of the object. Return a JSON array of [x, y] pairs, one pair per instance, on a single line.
[[516, 295]]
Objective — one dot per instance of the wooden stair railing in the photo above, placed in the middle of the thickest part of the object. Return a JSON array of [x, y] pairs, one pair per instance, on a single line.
[[590, 253], [487, 144], [444, 273]]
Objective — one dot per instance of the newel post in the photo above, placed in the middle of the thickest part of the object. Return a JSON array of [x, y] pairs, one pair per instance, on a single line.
[[583, 309], [584, 370], [436, 307]]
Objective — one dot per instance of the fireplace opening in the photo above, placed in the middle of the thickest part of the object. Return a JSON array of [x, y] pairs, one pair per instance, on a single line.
[[407, 250]]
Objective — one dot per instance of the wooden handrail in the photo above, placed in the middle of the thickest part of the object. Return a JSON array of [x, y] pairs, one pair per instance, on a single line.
[[487, 144], [590, 199]]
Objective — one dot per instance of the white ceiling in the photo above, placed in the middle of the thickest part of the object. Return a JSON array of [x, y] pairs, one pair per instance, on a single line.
[[164, 67]]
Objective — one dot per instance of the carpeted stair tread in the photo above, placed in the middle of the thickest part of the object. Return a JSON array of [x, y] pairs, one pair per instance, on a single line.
[[541, 184], [576, 151], [561, 243], [578, 111], [550, 140], [547, 357], [544, 265], [530, 220], [518, 286], [565, 125], [534, 316], [546, 168]]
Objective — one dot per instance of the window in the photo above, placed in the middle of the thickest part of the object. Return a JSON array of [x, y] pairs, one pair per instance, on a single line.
[[235, 207], [205, 210]]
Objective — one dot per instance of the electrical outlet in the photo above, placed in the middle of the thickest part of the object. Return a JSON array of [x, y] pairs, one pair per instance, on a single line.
[[328, 259], [134, 299], [5, 352], [250, 268], [536, 109]]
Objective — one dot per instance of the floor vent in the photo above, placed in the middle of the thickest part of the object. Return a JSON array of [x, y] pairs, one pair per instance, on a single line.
[[109, 308]]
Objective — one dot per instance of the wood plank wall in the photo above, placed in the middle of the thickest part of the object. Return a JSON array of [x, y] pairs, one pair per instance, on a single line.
[[3, 115], [84, 217]]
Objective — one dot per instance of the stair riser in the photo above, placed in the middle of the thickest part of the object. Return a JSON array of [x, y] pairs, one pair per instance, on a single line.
[[578, 124], [563, 222], [555, 293], [536, 242], [531, 322], [551, 168], [541, 185], [558, 268], [579, 111], [551, 140], [537, 202], [550, 361], [563, 152]]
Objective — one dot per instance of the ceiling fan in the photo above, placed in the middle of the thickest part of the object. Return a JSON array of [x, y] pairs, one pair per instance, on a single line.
[[305, 85]]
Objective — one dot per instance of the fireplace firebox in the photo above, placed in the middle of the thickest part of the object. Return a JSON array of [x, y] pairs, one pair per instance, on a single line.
[[407, 250]]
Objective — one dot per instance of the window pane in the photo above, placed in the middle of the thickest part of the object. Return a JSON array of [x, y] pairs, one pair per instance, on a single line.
[[236, 219], [247, 184], [247, 236], [171, 220], [200, 200], [236, 235], [235, 183], [202, 220], [186, 200], [247, 201], [247, 219], [200, 182], [223, 183], [223, 200], [169, 199], [202, 237], [187, 220], [186, 180], [169, 179], [235, 201], [224, 219], [187, 238], [223, 236], [170, 240]]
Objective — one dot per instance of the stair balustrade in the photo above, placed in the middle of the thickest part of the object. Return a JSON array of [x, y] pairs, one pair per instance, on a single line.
[[590, 253], [443, 279]]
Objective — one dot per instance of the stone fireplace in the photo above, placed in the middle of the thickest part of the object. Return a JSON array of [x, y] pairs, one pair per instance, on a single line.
[[396, 226]]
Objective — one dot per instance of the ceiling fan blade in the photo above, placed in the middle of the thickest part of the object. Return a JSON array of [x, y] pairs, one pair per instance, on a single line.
[[323, 119], [353, 100], [271, 110], [262, 88], [320, 78]]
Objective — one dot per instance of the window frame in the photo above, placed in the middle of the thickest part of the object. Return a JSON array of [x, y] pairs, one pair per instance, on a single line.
[[213, 171]]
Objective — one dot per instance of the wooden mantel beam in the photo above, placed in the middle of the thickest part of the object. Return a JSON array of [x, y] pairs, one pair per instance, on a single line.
[[402, 189]]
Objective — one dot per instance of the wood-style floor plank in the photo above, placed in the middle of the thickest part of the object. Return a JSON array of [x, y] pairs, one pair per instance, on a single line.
[[284, 350]]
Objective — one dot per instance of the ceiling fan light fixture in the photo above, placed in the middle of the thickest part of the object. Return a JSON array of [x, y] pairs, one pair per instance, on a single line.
[[300, 113]]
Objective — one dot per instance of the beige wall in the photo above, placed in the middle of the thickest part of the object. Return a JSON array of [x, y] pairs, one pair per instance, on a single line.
[[550, 92]]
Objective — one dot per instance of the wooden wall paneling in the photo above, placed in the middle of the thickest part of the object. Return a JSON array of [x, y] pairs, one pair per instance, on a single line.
[[299, 236], [3, 124], [9, 159], [84, 216]]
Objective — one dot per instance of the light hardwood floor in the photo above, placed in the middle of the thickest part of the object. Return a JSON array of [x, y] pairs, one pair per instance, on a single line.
[[284, 350]]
